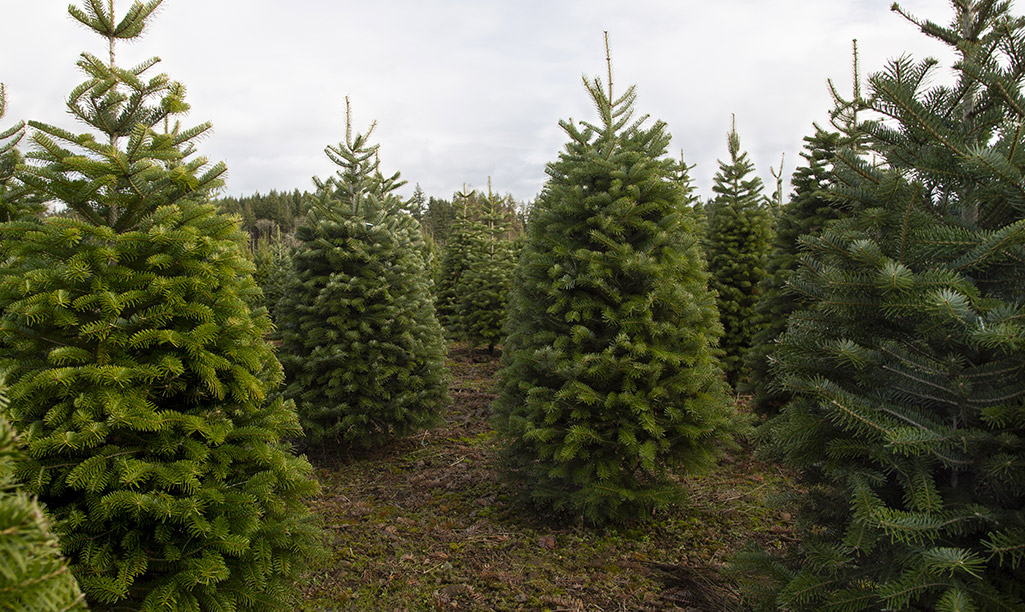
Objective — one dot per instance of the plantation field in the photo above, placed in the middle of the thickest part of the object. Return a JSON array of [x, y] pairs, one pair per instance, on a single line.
[[425, 523]]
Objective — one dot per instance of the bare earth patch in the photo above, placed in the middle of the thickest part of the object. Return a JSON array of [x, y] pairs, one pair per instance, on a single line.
[[427, 524]]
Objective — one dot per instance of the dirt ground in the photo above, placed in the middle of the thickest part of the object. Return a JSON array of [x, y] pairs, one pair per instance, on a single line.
[[426, 523]]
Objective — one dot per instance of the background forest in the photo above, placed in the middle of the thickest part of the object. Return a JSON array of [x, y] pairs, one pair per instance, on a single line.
[[621, 395]]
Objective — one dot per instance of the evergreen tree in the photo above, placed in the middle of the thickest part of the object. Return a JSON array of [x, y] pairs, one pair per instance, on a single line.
[[33, 575], [273, 261], [418, 203], [455, 259], [137, 372], [437, 219], [364, 354], [739, 235], [484, 285], [688, 192], [609, 381], [907, 422], [807, 213], [432, 262]]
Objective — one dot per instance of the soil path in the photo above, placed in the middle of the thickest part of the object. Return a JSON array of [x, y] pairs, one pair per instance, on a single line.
[[426, 524]]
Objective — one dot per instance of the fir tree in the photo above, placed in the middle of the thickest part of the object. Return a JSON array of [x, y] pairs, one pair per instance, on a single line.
[[273, 261], [739, 235], [455, 259], [137, 372], [33, 575], [363, 351], [809, 209], [609, 381], [484, 284], [432, 261], [688, 192], [418, 203], [907, 367]]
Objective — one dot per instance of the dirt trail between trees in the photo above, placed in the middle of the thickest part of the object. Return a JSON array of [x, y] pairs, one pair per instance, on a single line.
[[426, 524]]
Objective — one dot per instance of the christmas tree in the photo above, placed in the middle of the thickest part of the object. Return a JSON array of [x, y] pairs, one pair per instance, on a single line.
[[906, 367], [272, 258], [483, 287], [609, 382], [137, 372], [455, 259], [739, 234], [364, 353]]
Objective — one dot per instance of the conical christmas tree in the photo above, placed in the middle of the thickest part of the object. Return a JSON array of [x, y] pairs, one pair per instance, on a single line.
[[273, 260], [483, 287], [363, 351], [739, 235], [609, 382], [137, 372], [907, 369], [455, 259]]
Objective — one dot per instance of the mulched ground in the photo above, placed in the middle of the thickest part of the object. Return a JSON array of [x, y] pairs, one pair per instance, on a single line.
[[427, 524]]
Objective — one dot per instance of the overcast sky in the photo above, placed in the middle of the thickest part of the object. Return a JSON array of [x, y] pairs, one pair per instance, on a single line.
[[466, 89]]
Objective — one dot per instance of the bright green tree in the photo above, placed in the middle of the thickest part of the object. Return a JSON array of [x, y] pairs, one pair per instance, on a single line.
[[609, 381], [364, 353], [739, 234], [483, 287], [33, 575], [809, 209], [907, 423], [137, 373]]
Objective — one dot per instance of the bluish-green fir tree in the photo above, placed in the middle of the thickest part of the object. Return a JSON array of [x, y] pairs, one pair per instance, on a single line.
[[609, 383], [363, 351], [137, 372], [907, 366]]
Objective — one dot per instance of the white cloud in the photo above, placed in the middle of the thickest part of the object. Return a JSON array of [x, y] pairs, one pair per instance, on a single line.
[[465, 89]]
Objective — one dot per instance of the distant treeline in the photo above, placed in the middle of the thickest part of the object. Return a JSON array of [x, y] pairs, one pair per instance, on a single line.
[[279, 213]]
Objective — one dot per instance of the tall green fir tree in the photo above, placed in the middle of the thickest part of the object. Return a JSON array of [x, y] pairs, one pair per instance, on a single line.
[[688, 192], [137, 373], [907, 367], [363, 351], [33, 575], [739, 235], [483, 287], [465, 231], [810, 208], [610, 384]]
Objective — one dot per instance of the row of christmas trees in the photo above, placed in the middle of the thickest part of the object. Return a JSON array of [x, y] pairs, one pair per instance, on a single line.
[[888, 340]]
